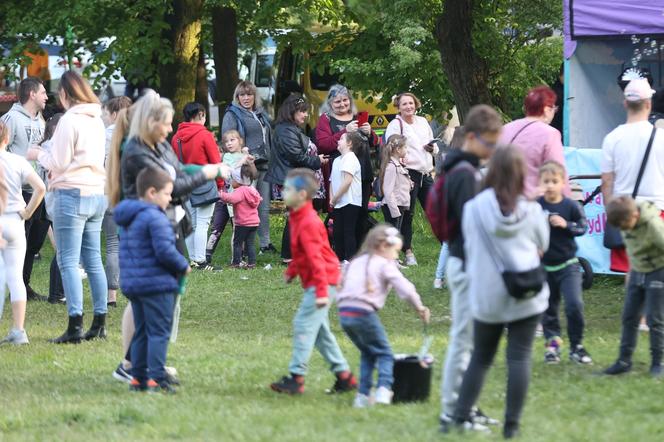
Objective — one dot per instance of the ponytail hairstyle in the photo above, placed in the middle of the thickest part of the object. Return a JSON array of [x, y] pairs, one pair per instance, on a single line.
[[113, 172], [379, 236], [389, 150], [51, 124], [506, 176]]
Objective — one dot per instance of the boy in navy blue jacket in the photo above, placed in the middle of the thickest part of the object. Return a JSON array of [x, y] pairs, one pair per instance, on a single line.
[[563, 269], [150, 267]]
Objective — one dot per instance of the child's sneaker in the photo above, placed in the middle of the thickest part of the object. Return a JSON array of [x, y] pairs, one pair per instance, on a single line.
[[16, 337], [136, 385], [345, 382], [438, 283], [552, 352], [153, 386], [361, 401], [292, 384], [656, 370], [470, 426], [580, 356], [618, 367], [383, 396], [479, 417], [410, 259]]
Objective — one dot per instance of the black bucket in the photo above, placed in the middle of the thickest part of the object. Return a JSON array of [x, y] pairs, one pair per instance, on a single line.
[[412, 380]]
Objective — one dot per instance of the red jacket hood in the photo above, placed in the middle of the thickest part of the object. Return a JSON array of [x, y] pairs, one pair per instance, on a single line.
[[251, 195], [187, 131]]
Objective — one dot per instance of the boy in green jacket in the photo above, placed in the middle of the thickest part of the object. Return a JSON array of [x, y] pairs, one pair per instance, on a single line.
[[642, 229]]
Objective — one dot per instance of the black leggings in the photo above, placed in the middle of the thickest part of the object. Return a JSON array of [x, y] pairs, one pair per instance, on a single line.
[[421, 185], [345, 231], [36, 231], [520, 336], [244, 239]]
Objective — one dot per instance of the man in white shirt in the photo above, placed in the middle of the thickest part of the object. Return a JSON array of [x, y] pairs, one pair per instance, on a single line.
[[623, 151]]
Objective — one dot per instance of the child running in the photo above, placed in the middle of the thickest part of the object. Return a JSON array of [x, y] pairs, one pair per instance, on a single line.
[[234, 157], [567, 221], [346, 195], [368, 280], [395, 181], [245, 200], [318, 268], [150, 267], [643, 234]]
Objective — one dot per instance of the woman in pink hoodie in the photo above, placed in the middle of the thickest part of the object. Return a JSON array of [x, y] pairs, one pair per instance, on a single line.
[[245, 200]]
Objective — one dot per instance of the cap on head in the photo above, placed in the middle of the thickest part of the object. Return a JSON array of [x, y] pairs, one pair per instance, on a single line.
[[638, 90]]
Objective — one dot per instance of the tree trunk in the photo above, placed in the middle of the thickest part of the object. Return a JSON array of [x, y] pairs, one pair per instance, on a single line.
[[178, 76], [202, 85], [466, 71], [224, 35]]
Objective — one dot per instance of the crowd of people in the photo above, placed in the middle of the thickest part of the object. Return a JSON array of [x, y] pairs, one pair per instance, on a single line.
[[507, 215]]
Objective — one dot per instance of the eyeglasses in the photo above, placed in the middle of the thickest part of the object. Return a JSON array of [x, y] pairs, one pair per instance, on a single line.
[[484, 142]]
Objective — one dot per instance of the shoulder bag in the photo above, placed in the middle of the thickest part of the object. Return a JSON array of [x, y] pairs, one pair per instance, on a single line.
[[520, 285], [206, 193], [612, 238]]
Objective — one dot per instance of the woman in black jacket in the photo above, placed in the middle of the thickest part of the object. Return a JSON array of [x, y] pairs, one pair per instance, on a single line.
[[292, 149]]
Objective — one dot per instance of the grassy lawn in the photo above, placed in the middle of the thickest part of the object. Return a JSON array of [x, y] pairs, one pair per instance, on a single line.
[[235, 339]]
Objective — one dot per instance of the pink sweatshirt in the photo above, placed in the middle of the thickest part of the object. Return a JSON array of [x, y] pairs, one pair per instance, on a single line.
[[76, 158], [538, 142], [245, 201], [396, 187], [383, 275]]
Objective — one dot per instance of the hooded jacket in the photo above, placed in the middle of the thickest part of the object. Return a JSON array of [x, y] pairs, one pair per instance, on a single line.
[[257, 128], [512, 241], [245, 201], [149, 262], [460, 187], [198, 146], [24, 130], [645, 243], [76, 158]]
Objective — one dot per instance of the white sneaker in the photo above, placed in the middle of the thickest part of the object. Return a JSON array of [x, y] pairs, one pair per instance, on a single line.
[[16, 337], [644, 327], [361, 401], [81, 272], [410, 259], [438, 283], [384, 396], [470, 426]]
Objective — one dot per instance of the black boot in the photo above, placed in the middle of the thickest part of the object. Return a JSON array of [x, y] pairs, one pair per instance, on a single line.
[[97, 329], [74, 332]]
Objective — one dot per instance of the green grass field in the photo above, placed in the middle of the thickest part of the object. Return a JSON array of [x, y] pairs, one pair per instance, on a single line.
[[235, 339]]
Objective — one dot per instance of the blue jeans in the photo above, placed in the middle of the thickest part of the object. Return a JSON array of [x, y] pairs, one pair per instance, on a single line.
[[442, 261], [153, 318], [77, 228], [311, 328], [368, 335]]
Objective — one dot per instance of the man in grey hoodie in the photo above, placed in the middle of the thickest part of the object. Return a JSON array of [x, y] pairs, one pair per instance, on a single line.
[[26, 129]]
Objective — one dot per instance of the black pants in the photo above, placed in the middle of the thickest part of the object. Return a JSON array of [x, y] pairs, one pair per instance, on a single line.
[[520, 336], [244, 238], [422, 184], [644, 290], [285, 241], [345, 231], [36, 230], [55, 288], [220, 218], [565, 282], [396, 222]]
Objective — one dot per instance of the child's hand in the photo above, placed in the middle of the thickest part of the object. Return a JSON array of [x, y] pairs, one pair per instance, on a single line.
[[245, 150], [558, 221], [322, 302], [425, 314]]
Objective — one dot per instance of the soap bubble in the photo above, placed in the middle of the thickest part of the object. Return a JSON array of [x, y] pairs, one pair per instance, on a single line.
[[638, 57], [653, 44], [646, 40], [635, 39], [647, 52], [634, 62]]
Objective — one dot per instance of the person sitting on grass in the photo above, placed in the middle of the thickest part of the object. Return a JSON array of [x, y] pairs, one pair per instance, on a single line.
[[368, 280], [150, 266], [567, 221], [318, 268], [643, 233], [245, 200]]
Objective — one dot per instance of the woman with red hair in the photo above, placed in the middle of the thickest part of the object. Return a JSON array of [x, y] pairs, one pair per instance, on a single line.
[[538, 141]]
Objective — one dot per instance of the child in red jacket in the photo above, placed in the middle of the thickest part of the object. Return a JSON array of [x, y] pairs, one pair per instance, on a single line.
[[318, 268], [245, 200]]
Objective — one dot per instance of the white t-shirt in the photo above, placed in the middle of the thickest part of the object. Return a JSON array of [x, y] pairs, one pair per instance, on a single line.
[[417, 135], [17, 169], [350, 164], [622, 153]]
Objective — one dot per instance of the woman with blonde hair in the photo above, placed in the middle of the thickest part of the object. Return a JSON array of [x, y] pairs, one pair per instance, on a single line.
[[76, 202]]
